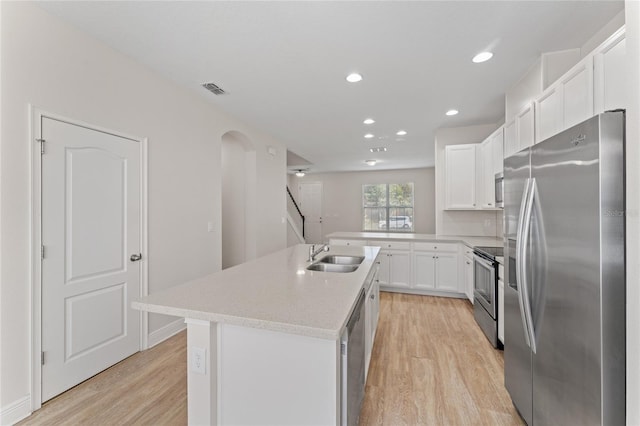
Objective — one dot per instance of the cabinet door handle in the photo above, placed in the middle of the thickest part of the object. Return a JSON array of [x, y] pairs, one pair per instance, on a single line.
[[468, 263]]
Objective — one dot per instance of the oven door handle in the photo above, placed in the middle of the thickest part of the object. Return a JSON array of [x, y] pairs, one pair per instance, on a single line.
[[484, 262], [519, 263]]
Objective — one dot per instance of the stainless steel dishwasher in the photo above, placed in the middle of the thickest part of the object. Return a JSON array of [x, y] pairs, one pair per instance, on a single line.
[[352, 364]]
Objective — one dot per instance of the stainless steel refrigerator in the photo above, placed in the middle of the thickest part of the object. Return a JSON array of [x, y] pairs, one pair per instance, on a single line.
[[564, 349]]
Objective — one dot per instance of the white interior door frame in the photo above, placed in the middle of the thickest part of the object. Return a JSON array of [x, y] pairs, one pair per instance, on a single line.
[[35, 240]]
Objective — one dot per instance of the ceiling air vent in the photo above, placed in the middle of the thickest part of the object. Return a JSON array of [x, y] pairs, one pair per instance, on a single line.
[[214, 88]]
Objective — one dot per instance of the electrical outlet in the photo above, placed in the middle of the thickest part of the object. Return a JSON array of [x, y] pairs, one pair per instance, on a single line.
[[209, 226], [198, 360]]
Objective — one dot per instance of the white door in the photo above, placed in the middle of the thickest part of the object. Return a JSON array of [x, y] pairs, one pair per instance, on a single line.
[[90, 229], [311, 205]]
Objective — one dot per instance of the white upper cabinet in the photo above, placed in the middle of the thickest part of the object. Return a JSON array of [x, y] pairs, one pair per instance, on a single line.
[[520, 133], [566, 102], [577, 93], [498, 152], [470, 173], [525, 127], [510, 139], [489, 163], [595, 84], [549, 114], [460, 176], [610, 74]]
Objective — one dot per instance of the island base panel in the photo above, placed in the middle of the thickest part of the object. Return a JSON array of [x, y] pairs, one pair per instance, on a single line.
[[202, 389], [268, 377]]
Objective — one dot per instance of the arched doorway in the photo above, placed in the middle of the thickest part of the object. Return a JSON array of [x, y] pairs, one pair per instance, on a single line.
[[238, 199]]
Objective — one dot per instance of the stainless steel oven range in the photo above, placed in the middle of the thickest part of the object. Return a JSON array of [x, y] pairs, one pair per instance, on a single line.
[[485, 291]]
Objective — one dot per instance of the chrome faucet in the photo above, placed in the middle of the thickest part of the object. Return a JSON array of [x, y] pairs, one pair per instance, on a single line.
[[313, 252]]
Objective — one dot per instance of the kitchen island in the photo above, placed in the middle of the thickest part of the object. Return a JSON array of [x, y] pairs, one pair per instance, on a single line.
[[264, 337]]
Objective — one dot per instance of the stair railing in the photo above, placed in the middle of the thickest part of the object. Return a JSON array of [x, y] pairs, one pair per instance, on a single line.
[[293, 200]]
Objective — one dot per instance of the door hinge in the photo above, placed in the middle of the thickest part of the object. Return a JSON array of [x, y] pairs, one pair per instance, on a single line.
[[41, 142], [42, 357], [42, 251]]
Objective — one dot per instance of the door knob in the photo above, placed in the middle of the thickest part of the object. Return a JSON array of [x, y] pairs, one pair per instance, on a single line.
[[136, 257]]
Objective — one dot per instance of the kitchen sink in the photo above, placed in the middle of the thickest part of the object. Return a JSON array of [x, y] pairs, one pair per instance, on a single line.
[[331, 267], [342, 260]]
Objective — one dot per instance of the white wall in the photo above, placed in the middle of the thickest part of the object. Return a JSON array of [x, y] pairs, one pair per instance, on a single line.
[[480, 223], [53, 66], [233, 203], [342, 197], [523, 91], [603, 33], [632, 8]]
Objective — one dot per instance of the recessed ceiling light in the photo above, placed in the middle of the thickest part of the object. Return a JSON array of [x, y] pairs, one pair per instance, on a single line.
[[401, 132], [354, 77], [380, 149], [452, 112], [371, 162], [368, 135], [369, 121], [482, 57]]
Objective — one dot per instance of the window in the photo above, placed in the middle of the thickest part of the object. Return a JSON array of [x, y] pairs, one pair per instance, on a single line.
[[387, 207]]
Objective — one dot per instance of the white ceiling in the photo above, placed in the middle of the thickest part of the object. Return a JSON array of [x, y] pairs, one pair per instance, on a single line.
[[284, 64]]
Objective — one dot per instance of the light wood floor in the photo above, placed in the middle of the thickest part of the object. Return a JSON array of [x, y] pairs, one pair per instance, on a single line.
[[431, 365]]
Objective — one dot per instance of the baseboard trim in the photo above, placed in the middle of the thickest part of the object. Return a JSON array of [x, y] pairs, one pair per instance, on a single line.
[[163, 333], [16, 411], [423, 292]]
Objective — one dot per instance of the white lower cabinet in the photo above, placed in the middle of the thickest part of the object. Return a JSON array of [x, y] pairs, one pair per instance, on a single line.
[[424, 270], [395, 263], [372, 312], [435, 267]]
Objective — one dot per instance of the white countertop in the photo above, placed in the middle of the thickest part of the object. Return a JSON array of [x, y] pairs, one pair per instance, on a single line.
[[412, 237], [275, 292]]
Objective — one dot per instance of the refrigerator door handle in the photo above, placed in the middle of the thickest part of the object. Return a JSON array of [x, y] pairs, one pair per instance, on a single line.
[[520, 263], [526, 232]]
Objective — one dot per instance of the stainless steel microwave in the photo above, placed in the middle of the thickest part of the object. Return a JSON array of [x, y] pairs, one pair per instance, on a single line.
[[499, 182]]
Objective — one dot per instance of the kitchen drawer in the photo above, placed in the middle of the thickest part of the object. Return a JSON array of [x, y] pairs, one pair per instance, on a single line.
[[468, 251], [390, 245], [500, 272], [347, 242], [443, 247]]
